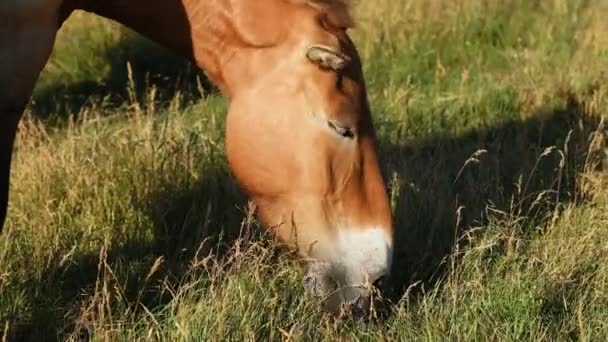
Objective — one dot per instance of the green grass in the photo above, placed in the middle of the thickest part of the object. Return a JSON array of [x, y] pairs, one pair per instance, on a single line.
[[125, 223]]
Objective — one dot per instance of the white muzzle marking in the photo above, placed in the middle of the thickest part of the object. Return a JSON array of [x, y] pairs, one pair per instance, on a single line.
[[365, 254]]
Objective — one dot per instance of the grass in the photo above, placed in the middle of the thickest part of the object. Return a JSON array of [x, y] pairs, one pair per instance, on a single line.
[[125, 224]]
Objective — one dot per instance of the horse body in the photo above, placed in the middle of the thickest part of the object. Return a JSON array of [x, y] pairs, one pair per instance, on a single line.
[[300, 138]]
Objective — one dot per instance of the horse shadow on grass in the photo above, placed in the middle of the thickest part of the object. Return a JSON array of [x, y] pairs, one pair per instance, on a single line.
[[444, 188], [136, 66], [190, 220]]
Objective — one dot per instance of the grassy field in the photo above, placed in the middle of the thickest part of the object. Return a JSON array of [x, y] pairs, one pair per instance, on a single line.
[[125, 223]]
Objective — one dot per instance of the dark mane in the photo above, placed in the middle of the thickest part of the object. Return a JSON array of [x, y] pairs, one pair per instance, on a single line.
[[337, 13]]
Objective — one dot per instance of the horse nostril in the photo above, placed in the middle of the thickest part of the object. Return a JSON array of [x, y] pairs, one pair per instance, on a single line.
[[363, 303], [379, 283]]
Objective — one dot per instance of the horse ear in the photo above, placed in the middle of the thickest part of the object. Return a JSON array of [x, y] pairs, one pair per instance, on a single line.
[[326, 57]]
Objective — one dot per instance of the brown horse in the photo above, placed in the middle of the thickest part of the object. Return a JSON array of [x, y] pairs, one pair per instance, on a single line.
[[300, 139]]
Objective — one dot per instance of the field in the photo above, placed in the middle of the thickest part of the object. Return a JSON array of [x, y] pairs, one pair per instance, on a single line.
[[125, 224]]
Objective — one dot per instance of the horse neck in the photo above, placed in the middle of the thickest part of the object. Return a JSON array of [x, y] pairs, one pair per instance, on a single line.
[[200, 30]]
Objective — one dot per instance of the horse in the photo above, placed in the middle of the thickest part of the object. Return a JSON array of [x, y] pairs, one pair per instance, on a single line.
[[299, 134]]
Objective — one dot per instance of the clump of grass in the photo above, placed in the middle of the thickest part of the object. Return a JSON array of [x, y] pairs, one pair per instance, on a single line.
[[126, 225]]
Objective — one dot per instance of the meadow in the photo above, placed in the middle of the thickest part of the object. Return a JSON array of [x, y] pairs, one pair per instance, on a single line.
[[126, 225]]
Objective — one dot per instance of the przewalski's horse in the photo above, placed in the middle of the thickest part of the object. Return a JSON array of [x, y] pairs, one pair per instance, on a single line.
[[300, 139]]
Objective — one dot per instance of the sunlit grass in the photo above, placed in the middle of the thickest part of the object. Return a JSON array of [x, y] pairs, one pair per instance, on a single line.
[[125, 223]]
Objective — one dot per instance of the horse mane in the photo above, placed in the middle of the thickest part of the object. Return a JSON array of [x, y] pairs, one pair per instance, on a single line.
[[336, 13], [251, 31]]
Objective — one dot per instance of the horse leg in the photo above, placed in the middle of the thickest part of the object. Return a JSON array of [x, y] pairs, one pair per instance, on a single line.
[[26, 42], [8, 128]]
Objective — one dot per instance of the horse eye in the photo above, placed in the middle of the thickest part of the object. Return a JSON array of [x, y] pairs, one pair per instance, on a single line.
[[343, 131]]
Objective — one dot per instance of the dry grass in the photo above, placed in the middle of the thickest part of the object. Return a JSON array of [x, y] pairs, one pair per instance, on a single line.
[[126, 225]]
